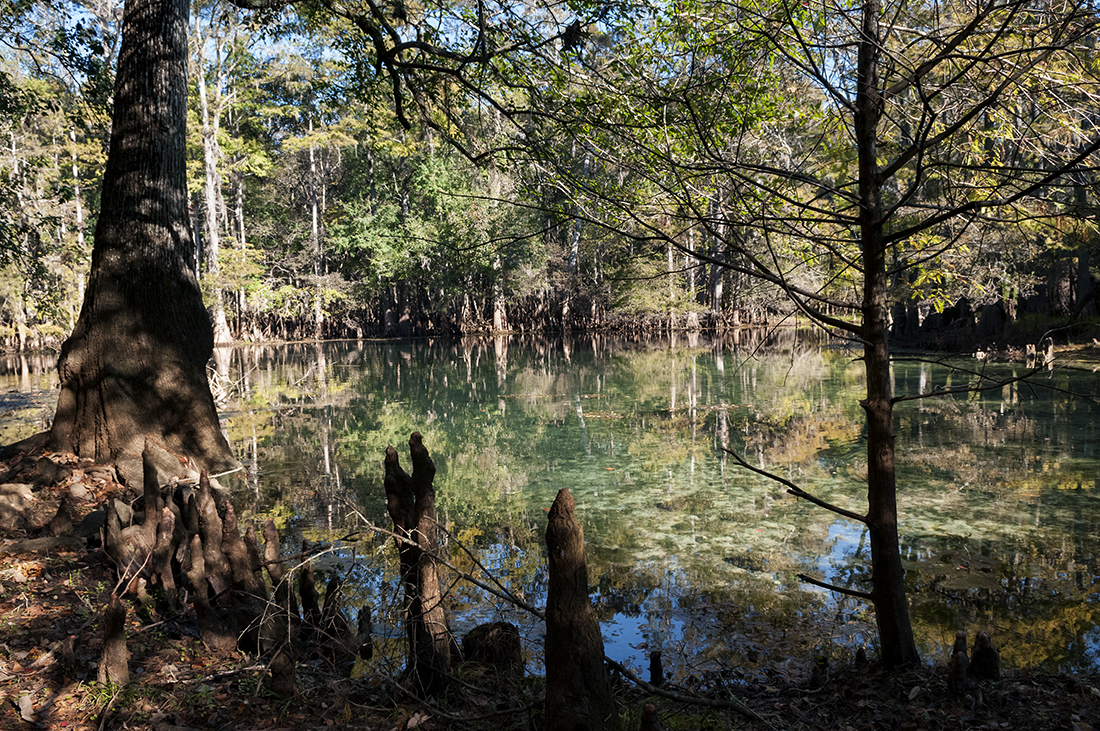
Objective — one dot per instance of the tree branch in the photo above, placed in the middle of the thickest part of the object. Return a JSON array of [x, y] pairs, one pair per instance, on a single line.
[[690, 699], [797, 491], [1000, 383], [833, 587]]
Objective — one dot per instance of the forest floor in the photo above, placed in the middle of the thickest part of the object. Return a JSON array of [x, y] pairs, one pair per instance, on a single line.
[[51, 602]]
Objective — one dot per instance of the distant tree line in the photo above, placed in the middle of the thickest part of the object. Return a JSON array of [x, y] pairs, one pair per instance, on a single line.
[[318, 214]]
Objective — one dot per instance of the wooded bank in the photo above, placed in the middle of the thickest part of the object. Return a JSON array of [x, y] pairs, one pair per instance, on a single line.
[[318, 215]]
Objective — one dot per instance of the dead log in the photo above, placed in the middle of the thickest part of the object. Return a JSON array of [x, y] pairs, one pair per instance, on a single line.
[[578, 688], [113, 667]]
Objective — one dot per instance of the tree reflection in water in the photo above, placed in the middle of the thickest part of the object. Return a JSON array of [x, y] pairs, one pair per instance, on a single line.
[[687, 553]]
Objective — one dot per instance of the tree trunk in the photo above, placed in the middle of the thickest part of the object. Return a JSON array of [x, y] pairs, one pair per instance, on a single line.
[[78, 224], [211, 154], [888, 590], [578, 690], [318, 248], [500, 312], [135, 364]]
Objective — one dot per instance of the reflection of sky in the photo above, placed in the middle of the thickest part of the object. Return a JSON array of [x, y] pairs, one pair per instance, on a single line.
[[1092, 647], [630, 639]]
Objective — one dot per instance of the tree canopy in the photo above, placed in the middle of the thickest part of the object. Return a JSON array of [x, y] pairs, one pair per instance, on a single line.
[[554, 166], [446, 167]]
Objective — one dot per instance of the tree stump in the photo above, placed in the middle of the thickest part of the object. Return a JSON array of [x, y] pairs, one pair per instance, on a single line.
[[497, 645], [578, 689], [411, 503], [280, 624], [113, 667]]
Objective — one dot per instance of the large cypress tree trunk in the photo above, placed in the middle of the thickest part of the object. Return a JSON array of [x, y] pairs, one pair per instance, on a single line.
[[135, 364]]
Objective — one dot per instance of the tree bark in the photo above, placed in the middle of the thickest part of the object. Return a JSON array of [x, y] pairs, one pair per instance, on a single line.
[[888, 591], [578, 690], [135, 363], [211, 630]]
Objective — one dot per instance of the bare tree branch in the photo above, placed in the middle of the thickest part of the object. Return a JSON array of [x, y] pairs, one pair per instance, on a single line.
[[833, 587], [795, 490]]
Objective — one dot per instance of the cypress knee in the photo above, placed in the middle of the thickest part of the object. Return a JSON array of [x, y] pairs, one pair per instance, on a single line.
[[578, 689]]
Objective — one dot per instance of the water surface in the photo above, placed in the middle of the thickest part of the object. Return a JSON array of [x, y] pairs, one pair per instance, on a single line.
[[688, 553]]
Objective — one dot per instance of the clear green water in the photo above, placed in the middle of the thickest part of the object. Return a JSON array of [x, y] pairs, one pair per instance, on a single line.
[[687, 552]]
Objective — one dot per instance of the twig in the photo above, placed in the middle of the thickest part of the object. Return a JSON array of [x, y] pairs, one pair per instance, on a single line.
[[732, 703], [438, 712], [505, 595]]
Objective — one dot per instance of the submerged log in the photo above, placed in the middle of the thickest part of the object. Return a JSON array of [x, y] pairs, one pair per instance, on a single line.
[[578, 688]]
